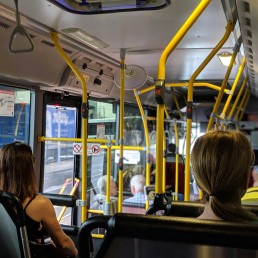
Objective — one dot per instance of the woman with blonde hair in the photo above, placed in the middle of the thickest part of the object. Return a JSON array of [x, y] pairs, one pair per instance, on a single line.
[[221, 163], [17, 176]]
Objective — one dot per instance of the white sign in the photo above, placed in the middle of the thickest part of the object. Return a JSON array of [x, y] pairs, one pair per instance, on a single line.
[[92, 149], [130, 156], [7, 103]]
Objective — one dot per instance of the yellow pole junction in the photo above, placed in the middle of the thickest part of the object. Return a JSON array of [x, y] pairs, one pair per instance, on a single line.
[[84, 111], [121, 130], [223, 86], [242, 102], [161, 81], [185, 84], [229, 29], [240, 70], [197, 84], [238, 97]]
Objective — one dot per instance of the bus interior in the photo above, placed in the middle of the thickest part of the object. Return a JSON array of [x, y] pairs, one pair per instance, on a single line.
[[100, 87]]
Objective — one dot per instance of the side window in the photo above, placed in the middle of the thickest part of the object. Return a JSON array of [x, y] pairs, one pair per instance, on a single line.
[[15, 108]]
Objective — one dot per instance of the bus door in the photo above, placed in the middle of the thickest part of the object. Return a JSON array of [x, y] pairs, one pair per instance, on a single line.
[[59, 156]]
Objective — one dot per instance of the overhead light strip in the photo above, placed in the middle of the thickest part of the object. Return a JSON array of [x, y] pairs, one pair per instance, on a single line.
[[85, 37]]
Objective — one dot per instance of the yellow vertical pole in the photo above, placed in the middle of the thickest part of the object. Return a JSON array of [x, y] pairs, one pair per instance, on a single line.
[[177, 160], [146, 133], [242, 102], [84, 111], [177, 106], [159, 149], [147, 140], [221, 92], [229, 28], [161, 80], [121, 130], [238, 97], [164, 175], [164, 166], [108, 173], [240, 70]]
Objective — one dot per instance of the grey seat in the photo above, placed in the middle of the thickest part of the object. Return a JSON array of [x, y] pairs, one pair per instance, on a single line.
[[152, 236], [13, 235]]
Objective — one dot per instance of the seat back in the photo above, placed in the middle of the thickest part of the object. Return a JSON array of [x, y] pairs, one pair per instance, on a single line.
[[195, 209], [13, 235], [133, 236]]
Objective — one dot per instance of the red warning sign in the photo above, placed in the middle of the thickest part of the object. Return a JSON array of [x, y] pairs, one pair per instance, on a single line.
[[92, 149], [77, 148]]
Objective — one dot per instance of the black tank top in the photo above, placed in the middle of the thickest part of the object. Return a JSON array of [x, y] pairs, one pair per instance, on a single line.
[[35, 230]]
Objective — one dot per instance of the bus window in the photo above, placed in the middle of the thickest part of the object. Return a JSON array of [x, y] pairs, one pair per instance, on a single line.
[[15, 108]]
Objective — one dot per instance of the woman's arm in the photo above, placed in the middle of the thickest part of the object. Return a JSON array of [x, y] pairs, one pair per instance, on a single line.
[[48, 219]]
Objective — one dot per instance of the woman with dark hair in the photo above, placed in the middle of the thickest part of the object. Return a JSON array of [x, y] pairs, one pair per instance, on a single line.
[[17, 176], [221, 162]]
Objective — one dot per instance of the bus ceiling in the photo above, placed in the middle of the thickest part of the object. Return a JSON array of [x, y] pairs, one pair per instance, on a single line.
[[143, 35]]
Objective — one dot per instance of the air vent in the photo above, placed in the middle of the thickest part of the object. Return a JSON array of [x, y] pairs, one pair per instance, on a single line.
[[4, 25], [249, 42], [50, 44], [47, 43], [249, 33], [246, 7], [248, 22]]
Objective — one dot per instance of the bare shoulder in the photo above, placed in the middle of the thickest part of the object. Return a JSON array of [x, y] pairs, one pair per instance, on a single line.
[[41, 199], [43, 204], [40, 208]]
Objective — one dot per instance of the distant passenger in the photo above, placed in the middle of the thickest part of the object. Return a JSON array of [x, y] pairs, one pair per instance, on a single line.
[[100, 198], [171, 153], [137, 184], [102, 186], [251, 195], [221, 163], [17, 176]]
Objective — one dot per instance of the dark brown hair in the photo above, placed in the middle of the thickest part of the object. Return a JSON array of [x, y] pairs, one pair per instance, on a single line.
[[17, 174]]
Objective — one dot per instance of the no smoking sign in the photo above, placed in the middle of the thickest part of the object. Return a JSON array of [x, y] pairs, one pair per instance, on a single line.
[[92, 149]]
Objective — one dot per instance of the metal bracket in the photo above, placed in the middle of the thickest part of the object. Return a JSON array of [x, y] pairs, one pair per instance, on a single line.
[[81, 203]]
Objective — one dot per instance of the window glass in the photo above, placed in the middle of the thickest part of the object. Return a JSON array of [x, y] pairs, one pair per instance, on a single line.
[[15, 107]]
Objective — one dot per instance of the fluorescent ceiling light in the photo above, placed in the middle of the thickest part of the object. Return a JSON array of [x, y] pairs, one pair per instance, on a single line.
[[85, 37], [225, 58]]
